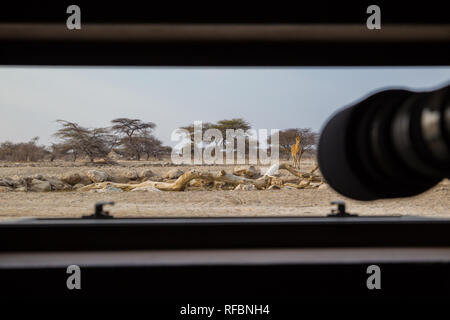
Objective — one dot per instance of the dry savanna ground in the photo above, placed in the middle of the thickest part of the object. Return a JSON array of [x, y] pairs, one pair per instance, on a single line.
[[42, 190]]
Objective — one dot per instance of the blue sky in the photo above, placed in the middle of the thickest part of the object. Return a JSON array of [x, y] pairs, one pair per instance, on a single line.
[[32, 98]]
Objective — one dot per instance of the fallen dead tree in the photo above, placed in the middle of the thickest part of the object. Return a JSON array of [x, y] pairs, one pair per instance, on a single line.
[[264, 182], [181, 183]]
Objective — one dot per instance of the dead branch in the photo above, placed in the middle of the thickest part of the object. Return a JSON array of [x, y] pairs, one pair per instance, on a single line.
[[182, 181], [297, 173]]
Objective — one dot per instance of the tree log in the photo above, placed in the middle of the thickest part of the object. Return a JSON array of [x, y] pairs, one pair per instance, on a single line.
[[297, 173], [182, 181]]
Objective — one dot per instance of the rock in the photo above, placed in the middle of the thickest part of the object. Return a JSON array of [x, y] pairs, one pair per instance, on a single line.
[[38, 177], [119, 178], [21, 189], [148, 188], [77, 186], [145, 174], [6, 182], [71, 178], [289, 188], [59, 185], [441, 189], [85, 179], [245, 187], [174, 173], [40, 186], [76, 178], [5, 189], [109, 188], [131, 175], [324, 186], [274, 187], [249, 172], [97, 176], [18, 182]]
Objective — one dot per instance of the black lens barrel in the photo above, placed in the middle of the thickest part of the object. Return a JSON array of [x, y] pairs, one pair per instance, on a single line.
[[395, 143]]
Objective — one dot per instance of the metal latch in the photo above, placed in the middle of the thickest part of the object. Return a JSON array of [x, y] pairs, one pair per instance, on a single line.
[[340, 211], [99, 212]]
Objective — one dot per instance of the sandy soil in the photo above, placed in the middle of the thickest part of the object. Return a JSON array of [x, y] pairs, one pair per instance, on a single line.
[[308, 202]]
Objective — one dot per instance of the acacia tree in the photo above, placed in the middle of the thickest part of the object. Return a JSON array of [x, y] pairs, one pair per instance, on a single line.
[[235, 124], [129, 130], [240, 126], [153, 147], [222, 126], [190, 128], [60, 150], [23, 151], [80, 140]]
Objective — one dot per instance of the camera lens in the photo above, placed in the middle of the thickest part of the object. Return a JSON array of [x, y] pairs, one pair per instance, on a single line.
[[394, 143]]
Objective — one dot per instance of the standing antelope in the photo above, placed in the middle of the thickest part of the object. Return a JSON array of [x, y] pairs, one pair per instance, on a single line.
[[296, 152]]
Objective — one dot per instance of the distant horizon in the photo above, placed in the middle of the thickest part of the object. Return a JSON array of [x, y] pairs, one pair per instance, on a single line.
[[33, 98]]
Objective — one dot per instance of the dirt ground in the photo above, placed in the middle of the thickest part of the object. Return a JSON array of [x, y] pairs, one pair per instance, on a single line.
[[220, 203]]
